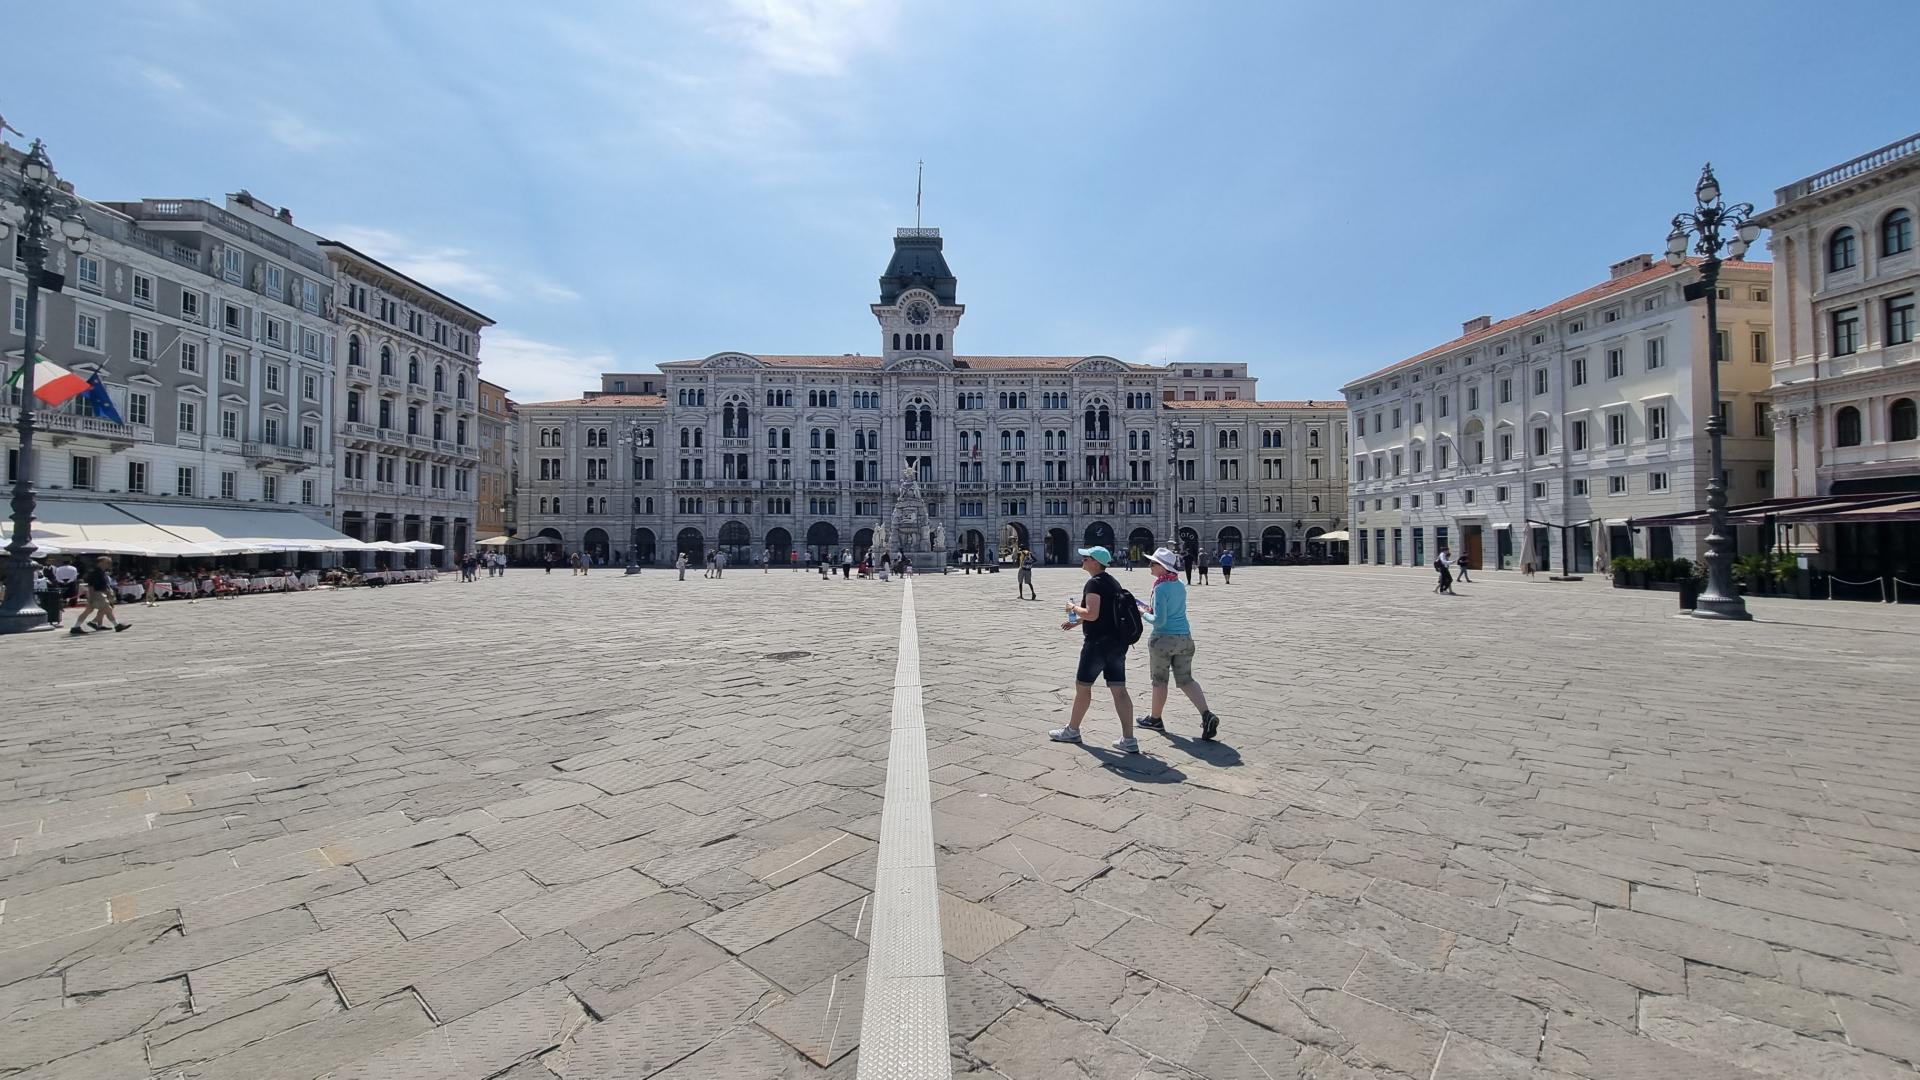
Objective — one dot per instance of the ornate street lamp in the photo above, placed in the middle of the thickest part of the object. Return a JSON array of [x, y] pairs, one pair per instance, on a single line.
[[44, 215], [1712, 227], [1181, 438]]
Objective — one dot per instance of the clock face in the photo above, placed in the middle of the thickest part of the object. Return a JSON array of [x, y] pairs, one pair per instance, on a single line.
[[918, 312]]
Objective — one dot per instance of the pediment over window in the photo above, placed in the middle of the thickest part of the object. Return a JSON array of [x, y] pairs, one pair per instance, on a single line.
[[1098, 363], [918, 363], [731, 360]]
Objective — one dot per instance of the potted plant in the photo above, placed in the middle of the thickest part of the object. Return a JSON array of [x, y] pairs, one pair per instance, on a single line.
[[1754, 571], [1620, 568]]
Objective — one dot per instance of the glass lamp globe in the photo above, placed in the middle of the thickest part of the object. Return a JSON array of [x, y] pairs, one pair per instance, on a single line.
[[73, 228]]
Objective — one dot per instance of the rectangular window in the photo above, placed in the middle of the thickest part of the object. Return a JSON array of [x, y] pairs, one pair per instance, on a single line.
[[1500, 494], [1506, 391], [138, 405], [234, 318], [1616, 363], [228, 481], [306, 492], [1506, 446], [1473, 399], [86, 331], [142, 345], [233, 263], [229, 424], [1657, 353], [1417, 411], [1900, 319], [86, 271], [276, 332], [1656, 423], [1580, 486], [1616, 485], [1723, 342], [310, 387], [1440, 407], [1761, 354], [137, 477], [189, 357], [1577, 434], [1657, 481], [143, 290], [276, 283], [310, 343], [230, 367], [1539, 489], [20, 316], [188, 414], [1539, 440], [190, 305], [1723, 411], [1617, 429], [270, 488], [80, 472], [183, 481], [270, 430], [1762, 419], [273, 378], [1540, 380], [1846, 332], [1579, 371]]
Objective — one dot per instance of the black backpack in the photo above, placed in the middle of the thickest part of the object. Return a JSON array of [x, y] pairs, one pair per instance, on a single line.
[[1127, 624]]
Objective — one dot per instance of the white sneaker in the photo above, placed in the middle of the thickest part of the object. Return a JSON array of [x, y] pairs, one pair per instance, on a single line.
[[1127, 746], [1065, 734]]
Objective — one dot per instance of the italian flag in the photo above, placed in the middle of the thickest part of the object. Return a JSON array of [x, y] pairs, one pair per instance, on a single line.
[[52, 383]]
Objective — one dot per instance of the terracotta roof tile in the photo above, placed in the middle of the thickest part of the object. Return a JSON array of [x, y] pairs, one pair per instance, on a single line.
[[1586, 296], [601, 401], [1245, 403]]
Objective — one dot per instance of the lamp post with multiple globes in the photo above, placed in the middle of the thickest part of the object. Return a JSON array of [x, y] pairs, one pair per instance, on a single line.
[[45, 215], [1710, 228]]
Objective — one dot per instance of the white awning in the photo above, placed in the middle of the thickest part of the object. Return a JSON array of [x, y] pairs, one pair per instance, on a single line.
[[1332, 537], [266, 530]]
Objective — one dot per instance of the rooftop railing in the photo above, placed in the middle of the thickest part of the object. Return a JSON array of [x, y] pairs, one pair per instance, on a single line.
[[1841, 173]]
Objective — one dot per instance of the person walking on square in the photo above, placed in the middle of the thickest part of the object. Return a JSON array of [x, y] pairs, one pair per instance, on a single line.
[[1023, 582], [1226, 566], [1170, 649], [846, 564], [1446, 578], [1186, 563], [766, 561], [680, 564], [719, 564], [1201, 558], [100, 599], [1103, 648], [548, 559], [1459, 566]]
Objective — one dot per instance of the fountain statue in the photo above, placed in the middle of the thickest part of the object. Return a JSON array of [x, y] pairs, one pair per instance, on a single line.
[[907, 525]]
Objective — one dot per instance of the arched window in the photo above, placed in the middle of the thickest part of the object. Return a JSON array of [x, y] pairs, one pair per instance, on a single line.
[[939, 342], [1316, 504], [697, 433], [773, 438], [1846, 427], [413, 371], [460, 387], [896, 343], [1843, 250], [686, 438], [830, 434], [1903, 423], [386, 360], [1221, 440], [1020, 440], [439, 378], [1896, 233], [353, 406], [1313, 440], [353, 351]]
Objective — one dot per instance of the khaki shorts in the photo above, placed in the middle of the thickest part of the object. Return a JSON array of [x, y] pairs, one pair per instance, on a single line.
[[1171, 651]]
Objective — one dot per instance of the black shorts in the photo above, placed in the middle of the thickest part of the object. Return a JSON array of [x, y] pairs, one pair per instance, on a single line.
[[1099, 657]]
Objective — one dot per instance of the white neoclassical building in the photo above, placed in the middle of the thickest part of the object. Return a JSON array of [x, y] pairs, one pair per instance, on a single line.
[[1846, 374], [1537, 438], [796, 455]]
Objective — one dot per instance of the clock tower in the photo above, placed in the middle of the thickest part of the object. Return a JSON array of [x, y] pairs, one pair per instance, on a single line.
[[917, 309]]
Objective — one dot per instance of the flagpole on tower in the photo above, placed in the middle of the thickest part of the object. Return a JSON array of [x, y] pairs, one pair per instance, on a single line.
[[919, 185]]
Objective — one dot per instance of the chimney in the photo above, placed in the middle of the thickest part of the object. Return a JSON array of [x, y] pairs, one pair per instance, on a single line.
[[286, 215], [1475, 324], [1629, 266]]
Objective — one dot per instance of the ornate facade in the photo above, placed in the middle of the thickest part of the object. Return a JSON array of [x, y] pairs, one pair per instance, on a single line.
[[797, 455]]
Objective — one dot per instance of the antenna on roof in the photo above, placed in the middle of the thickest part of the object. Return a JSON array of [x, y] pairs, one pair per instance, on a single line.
[[919, 181]]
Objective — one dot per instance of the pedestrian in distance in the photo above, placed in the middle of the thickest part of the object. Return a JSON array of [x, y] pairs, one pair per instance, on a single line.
[[1460, 569], [1170, 649], [766, 561], [548, 559], [1445, 585], [100, 596], [719, 564], [1023, 583], [1201, 558], [680, 564], [1109, 622], [48, 592], [708, 571], [1226, 566], [846, 564]]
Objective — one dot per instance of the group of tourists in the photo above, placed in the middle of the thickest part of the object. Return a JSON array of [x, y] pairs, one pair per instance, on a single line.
[[63, 582], [1445, 564], [494, 563], [1111, 621]]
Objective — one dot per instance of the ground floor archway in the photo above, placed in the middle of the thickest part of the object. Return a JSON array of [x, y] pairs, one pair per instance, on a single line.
[[1189, 543], [973, 541], [862, 543], [691, 544], [822, 539], [643, 547], [1273, 542], [1015, 539], [1100, 534], [1059, 548], [1230, 540], [737, 542], [1139, 544], [596, 544], [780, 546]]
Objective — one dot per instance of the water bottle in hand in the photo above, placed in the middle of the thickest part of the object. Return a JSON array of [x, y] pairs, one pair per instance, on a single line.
[[1073, 616]]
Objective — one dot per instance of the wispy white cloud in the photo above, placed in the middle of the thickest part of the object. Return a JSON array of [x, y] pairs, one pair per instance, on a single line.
[[807, 37], [1168, 345], [453, 270], [534, 370], [296, 133], [282, 125]]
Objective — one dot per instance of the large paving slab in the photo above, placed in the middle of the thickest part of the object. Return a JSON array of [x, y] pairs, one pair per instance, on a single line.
[[614, 826]]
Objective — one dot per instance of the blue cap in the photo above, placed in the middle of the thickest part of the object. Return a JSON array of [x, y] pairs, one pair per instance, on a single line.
[[1097, 554]]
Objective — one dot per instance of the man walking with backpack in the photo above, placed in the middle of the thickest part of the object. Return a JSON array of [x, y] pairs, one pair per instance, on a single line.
[[1109, 621]]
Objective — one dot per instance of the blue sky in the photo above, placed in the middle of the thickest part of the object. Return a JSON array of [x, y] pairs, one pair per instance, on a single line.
[[1316, 190]]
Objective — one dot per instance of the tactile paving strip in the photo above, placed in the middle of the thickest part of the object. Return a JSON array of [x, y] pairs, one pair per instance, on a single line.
[[903, 1027]]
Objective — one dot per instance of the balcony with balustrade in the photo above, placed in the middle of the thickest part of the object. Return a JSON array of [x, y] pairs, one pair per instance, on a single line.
[[264, 454]]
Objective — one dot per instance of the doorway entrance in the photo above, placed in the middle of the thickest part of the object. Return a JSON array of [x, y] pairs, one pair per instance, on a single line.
[[1470, 546], [1059, 547]]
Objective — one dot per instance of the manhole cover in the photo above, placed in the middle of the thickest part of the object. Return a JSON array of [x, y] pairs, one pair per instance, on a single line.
[[786, 656]]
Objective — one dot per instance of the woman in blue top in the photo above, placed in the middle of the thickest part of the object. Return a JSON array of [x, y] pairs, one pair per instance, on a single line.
[[1170, 649]]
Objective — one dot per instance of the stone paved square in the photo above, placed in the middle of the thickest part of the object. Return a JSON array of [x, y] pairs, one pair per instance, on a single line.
[[1535, 830]]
